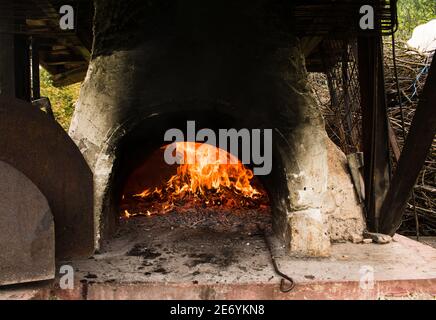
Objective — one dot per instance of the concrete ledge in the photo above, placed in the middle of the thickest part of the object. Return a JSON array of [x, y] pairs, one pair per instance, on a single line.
[[402, 269], [333, 290]]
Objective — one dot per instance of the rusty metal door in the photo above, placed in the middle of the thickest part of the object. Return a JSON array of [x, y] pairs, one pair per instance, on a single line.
[[38, 147]]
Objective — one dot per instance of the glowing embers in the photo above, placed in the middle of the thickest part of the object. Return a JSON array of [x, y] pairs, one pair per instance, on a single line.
[[206, 178]]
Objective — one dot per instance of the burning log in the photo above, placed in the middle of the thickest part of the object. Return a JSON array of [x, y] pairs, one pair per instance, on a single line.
[[215, 179]]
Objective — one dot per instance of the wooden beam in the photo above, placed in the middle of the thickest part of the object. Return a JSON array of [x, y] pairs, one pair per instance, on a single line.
[[7, 52], [412, 158], [394, 142], [22, 67], [70, 76], [36, 85], [374, 127], [7, 71], [73, 39], [61, 60], [308, 44]]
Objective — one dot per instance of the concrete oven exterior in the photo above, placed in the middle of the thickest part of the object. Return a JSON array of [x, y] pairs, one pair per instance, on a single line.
[[163, 67]]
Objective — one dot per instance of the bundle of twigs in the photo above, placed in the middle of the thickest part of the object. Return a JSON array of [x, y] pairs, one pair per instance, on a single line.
[[412, 68]]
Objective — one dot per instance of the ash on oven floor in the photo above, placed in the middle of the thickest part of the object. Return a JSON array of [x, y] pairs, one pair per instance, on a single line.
[[194, 247]]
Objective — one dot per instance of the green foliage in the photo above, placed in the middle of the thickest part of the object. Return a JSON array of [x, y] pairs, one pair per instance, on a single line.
[[62, 99], [412, 13]]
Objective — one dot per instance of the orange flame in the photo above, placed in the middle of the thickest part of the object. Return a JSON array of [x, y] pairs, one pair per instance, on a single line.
[[203, 169]]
